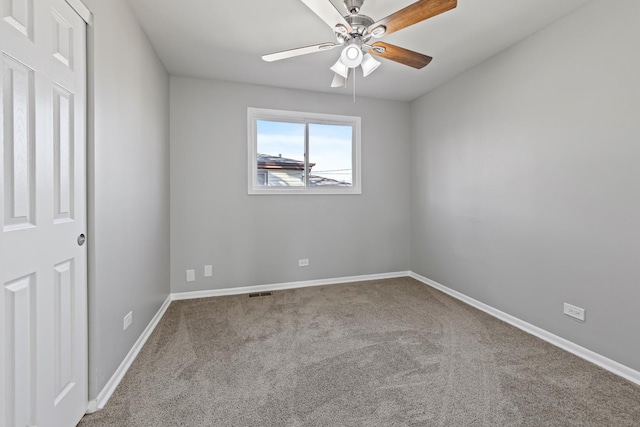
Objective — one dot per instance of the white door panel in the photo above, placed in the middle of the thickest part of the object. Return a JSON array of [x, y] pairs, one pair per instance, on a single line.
[[43, 301]]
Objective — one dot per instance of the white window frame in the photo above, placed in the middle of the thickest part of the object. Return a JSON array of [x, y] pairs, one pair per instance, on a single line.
[[256, 114]]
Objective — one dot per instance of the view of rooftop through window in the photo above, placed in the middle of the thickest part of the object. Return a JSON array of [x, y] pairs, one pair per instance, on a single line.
[[281, 154]]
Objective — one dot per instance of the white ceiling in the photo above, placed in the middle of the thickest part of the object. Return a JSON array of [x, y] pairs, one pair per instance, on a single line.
[[225, 40]]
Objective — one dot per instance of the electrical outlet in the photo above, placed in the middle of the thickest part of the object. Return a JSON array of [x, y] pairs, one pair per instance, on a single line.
[[128, 320], [208, 270], [303, 262], [573, 311], [191, 275]]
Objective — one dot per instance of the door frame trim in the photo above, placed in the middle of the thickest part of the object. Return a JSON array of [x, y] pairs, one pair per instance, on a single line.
[[82, 10]]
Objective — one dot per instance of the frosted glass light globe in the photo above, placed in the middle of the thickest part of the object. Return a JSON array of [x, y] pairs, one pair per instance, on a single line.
[[351, 56]]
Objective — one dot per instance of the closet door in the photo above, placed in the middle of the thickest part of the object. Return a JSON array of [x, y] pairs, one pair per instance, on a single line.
[[43, 258]]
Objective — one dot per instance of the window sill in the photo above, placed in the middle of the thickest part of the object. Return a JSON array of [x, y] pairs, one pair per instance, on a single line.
[[304, 191]]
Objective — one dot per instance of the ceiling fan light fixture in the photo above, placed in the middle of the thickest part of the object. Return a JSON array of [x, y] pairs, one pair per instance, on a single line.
[[369, 64], [339, 81], [340, 69], [351, 56]]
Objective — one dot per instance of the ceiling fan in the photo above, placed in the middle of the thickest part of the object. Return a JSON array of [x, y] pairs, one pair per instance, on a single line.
[[355, 32]]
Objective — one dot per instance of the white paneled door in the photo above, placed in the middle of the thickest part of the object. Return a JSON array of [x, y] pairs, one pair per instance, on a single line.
[[43, 273]]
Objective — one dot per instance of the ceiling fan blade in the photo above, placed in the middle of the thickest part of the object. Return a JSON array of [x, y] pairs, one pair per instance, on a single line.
[[297, 52], [329, 14], [412, 14], [401, 55]]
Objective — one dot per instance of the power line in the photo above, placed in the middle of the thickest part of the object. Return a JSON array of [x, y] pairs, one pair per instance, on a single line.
[[333, 170]]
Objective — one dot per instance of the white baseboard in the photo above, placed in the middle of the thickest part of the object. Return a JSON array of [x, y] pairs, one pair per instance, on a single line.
[[584, 353], [92, 406], [115, 379], [281, 286]]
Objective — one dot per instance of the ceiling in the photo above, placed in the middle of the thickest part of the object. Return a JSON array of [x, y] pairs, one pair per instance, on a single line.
[[225, 40]]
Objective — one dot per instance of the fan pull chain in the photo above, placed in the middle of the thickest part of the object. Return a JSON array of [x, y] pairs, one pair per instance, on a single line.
[[354, 85]]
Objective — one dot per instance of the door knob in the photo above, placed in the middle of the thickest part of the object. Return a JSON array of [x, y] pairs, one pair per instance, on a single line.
[[81, 239]]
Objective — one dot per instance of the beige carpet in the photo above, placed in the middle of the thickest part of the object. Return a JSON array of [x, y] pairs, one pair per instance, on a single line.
[[380, 353]]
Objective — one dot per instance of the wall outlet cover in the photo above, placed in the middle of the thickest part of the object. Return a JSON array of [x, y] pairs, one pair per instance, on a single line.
[[191, 275], [573, 311], [208, 270], [128, 320], [303, 262]]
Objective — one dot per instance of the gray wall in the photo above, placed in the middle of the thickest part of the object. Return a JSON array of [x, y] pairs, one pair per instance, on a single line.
[[526, 183], [254, 240], [128, 186]]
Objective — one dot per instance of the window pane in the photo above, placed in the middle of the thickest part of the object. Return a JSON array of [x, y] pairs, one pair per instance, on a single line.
[[330, 151], [280, 148]]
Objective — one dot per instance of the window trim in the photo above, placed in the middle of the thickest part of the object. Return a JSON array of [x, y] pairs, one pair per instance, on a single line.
[[255, 114]]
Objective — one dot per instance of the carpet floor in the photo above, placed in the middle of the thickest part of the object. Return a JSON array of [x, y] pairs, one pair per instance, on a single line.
[[380, 353]]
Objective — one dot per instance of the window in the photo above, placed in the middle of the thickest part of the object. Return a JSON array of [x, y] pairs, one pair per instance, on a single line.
[[303, 153]]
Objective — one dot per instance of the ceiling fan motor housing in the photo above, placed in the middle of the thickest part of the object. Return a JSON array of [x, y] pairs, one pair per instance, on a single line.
[[359, 23]]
